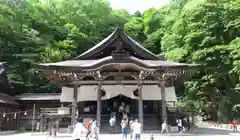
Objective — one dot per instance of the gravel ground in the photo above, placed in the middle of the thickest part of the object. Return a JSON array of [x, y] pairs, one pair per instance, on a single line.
[[200, 134]]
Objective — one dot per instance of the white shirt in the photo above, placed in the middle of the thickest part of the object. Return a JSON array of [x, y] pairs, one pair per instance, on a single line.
[[137, 128], [164, 126], [131, 124], [93, 126], [179, 122], [79, 131], [112, 121]]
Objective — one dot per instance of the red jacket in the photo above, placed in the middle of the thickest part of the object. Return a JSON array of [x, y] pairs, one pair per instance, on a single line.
[[234, 123]]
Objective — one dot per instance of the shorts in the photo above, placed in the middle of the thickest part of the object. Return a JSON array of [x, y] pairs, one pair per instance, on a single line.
[[137, 136]]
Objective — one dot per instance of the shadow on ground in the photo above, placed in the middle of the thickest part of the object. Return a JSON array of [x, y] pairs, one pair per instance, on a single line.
[[202, 132]]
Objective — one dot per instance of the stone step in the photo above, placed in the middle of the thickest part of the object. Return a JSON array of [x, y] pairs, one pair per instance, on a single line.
[[151, 124]]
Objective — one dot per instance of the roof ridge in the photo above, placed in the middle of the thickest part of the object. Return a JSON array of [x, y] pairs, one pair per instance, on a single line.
[[118, 32]]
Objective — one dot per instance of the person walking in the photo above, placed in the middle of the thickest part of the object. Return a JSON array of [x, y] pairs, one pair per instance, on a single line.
[[131, 127], [79, 129], [93, 130], [137, 129], [89, 128], [124, 123], [112, 123], [180, 125], [164, 127], [234, 125]]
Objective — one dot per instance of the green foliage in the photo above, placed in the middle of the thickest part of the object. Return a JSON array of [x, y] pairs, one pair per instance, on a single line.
[[236, 110], [47, 31]]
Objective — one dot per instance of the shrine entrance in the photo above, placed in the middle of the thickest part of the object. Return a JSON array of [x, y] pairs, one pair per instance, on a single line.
[[119, 99], [108, 105], [116, 60]]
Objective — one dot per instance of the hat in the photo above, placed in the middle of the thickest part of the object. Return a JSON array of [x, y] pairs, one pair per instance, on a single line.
[[80, 120]]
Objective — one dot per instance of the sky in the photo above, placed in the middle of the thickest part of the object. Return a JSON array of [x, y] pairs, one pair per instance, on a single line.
[[137, 5]]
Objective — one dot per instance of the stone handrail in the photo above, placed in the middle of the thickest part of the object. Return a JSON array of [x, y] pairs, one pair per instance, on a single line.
[[215, 125]]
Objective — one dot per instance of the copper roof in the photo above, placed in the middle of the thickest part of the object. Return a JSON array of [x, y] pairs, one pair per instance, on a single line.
[[87, 61], [138, 48], [38, 96], [95, 64], [7, 99]]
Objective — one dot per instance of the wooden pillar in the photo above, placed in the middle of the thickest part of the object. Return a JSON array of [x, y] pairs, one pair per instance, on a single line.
[[163, 96], [41, 122], [140, 103], [99, 102], [50, 125], [99, 96], [74, 103]]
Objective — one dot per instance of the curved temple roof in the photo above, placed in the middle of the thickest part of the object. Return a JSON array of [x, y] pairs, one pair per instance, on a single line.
[[131, 53], [76, 65]]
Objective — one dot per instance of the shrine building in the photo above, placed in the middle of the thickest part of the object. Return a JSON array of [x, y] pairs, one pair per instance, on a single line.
[[118, 69]]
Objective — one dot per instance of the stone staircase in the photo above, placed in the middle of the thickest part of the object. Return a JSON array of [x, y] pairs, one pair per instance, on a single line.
[[151, 124], [105, 128]]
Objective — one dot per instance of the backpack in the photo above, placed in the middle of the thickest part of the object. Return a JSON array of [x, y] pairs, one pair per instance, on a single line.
[[89, 124]]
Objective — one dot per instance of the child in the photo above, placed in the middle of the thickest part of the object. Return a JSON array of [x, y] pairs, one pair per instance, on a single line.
[[234, 125]]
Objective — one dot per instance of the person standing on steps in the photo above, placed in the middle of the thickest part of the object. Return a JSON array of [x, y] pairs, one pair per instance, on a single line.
[[112, 123], [127, 110], [121, 109]]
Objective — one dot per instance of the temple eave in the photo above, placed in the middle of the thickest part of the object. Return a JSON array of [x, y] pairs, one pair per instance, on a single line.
[[67, 79], [116, 66]]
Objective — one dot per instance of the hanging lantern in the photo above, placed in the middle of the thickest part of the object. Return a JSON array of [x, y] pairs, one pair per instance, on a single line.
[[15, 116], [25, 113], [7, 119], [108, 96], [4, 115], [132, 96]]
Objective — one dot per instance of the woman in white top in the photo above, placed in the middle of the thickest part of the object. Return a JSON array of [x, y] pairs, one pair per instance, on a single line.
[[137, 129], [79, 130]]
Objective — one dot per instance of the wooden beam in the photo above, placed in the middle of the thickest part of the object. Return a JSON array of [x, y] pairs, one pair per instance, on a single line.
[[67, 78]]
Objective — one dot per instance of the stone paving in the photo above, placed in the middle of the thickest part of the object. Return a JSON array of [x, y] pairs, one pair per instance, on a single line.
[[200, 134]]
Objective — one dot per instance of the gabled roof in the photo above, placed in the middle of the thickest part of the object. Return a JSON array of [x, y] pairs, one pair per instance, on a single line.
[[7, 99], [119, 33]]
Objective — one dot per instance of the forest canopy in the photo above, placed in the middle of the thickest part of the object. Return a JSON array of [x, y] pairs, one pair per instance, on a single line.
[[206, 32]]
